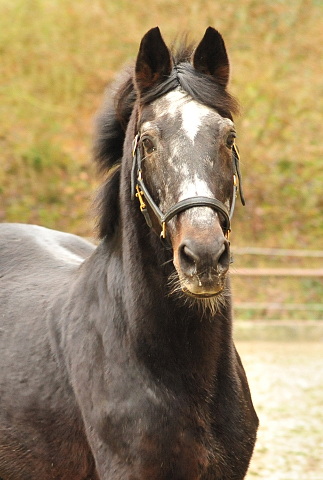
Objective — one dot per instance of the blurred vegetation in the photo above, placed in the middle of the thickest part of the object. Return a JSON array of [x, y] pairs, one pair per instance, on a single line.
[[57, 56]]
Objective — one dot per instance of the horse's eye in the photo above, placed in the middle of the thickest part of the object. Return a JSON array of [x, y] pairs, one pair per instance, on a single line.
[[148, 145], [230, 139]]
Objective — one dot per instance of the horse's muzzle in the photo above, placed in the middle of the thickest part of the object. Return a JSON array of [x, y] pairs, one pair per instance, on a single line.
[[202, 261]]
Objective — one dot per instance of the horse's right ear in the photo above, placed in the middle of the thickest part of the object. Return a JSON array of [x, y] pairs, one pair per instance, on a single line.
[[154, 62]]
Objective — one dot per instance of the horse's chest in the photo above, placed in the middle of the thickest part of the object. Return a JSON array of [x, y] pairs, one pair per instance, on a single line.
[[159, 440], [173, 452]]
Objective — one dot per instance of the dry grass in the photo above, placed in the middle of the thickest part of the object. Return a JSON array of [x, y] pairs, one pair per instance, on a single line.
[[57, 57]]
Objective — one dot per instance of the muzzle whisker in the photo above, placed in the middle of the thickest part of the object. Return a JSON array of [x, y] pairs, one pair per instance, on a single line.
[[206, 306], [166, 263]]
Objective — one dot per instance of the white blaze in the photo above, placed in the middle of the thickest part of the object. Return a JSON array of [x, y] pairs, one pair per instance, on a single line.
[[192, 117], [197, 188], [191, 111]]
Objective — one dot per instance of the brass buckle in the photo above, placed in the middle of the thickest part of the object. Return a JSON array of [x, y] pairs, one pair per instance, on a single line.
[[163, 232], [139, 195]]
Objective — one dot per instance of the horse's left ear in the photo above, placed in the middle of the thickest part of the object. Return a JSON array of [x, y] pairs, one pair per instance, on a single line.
[[153, 62], [210, 57]]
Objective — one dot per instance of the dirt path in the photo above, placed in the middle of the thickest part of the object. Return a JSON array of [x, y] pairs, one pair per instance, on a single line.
[[286, 381]]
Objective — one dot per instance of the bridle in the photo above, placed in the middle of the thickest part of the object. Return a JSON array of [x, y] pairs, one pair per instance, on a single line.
[[139, 189]]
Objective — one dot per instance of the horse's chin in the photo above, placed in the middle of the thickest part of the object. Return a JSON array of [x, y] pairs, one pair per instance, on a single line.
[[200, 295], [200, 290]]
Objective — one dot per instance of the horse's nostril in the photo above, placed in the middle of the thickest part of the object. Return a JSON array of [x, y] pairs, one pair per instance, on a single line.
[[188, 259], [189, 254], [224, 258], [200, 258]]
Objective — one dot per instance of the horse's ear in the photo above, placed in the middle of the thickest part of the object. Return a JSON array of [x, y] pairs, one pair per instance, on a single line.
[[210, 57], [154, 62]]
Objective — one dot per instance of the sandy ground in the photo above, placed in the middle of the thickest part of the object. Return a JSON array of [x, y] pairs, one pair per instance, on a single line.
[[286, 382]]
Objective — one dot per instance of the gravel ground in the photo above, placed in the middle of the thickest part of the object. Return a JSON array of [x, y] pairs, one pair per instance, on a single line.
[[286, 382]]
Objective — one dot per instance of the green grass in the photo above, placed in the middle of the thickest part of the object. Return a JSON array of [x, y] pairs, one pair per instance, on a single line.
[[57, 56]]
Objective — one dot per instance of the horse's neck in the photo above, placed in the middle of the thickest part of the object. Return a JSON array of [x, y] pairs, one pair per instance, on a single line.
[[163, 330], [169, 333]]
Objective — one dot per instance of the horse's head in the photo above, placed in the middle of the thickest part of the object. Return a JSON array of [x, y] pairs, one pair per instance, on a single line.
[[184, 156]]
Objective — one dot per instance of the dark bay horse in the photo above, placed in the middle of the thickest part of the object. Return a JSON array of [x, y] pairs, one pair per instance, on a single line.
[[117, 362]]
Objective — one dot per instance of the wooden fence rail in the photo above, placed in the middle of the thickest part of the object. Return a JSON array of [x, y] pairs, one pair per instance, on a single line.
[[301, 307], [277, 272], [280, 252]]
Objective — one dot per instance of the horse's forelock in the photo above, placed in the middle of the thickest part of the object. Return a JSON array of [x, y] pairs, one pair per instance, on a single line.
[[202, 88]]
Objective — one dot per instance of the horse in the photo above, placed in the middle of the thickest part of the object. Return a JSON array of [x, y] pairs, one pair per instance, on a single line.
[[117, 360]]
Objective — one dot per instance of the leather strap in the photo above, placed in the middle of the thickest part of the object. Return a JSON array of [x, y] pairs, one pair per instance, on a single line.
[[198, 202], [143, 193]]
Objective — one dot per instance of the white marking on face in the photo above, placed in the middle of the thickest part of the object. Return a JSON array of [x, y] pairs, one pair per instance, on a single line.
[[192, 112], [197, 188], [146, 126], [175, 150], [170, 103], [192, 118]]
